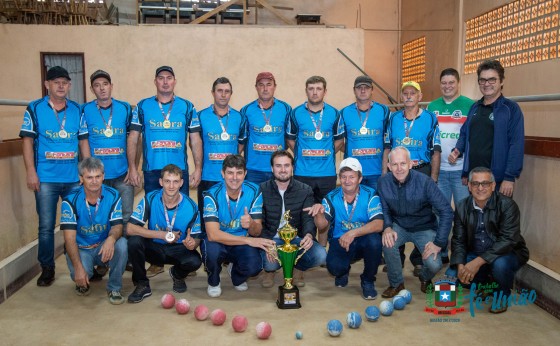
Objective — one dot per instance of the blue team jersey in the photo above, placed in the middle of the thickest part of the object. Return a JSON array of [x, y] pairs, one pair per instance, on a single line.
[[92, 223], [109, 149], [313, 157], [56, 158], [368, 208], [424, 135], [164, 144], [215, 149], [217, 208], [151, 208], [367, 147], [262, 143]]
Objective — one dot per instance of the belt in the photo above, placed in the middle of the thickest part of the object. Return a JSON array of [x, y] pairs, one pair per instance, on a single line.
[[88, 247], [420, 165]]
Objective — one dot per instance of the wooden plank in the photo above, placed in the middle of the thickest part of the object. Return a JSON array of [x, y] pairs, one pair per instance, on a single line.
[[244, 12], [215, 11], [542, 146], [266, 5]]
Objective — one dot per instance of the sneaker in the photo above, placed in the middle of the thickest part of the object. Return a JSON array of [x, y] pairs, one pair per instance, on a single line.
[[368, 291], [298, 280], [214, 291], [115, 297], [154, 270], [179, 285], [424, 285], [140, 292], [417, 270], [498, 310], [98, 274], [82, 290], [390, 292], [47, 277], [268, 279], [242, 287], [341, 281]]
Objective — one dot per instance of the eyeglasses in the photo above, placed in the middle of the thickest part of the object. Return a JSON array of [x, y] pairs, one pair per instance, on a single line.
[[484, 184], [482, 81]]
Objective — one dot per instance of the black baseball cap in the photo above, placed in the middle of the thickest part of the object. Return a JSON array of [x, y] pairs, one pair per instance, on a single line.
[[165, 68], [99, 74], [57, 72], [363, 80]]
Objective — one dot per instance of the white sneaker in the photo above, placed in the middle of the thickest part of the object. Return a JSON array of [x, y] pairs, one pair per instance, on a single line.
[[242, 287], [214, 291]]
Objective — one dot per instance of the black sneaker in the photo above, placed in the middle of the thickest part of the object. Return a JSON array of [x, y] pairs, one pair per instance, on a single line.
[[140, 292], [179, 285], [98, 273], [82, 290], [47, 277]]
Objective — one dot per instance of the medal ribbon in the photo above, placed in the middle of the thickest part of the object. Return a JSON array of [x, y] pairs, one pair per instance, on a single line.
[[317, 128], [63, 123], [166, 116], [224, 129], [266, 120], [234, 213], [351, 213], [92, 217], [107, 123], [360, 114], [170, 224], [407, 131]]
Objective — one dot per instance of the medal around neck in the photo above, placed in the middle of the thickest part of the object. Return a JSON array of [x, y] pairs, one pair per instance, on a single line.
[[108, 132], [406, 140], [169, 236], [166, 124], [62, 134], [318, 135], [224, 136], [287, 256], [363, 130], [267, 128]]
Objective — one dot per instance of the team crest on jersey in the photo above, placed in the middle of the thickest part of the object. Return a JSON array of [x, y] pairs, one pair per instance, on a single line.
[[65, 216], [491, 116], [139, 209], [107, 151], [436, 112], [26, 120], [266, 147], [166, 145], [457, 114], [60, 155], [217, 156], [315, 152]]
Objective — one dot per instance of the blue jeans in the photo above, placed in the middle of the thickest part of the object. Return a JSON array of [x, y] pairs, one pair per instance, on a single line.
[[127, 197], [393, 260], [314, 257], [450, 184], [371, 181], [258, 177], [246, 261], [502, 271], [367, 247], [46, 201], [91, 257], [151, 181]]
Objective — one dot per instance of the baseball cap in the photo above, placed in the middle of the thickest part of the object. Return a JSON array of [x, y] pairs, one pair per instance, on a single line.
[[165, 68], [351, 163], [412, 84], [57, 72], [99, 74], [265, 75], [363, 80]]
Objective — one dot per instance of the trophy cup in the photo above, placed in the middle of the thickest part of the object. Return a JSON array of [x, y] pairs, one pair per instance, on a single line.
[[287, 256]]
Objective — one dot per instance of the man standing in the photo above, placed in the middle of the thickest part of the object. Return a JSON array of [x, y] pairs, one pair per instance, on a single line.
[[50, 153], [352, 214], [91, 219], [365, 122], [486, 238], [451, 110], [493, 135], [315, 132], [417, 130], [164, 229], [409, 199], [233, 217], [282, 194], [105, 125], [164, 121], [223, 134], [265, 124]]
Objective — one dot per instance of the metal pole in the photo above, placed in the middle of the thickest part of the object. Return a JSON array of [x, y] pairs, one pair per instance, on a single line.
[[392, 100]]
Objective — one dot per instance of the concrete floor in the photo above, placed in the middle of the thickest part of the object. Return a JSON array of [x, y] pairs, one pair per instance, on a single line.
[[56, 316]]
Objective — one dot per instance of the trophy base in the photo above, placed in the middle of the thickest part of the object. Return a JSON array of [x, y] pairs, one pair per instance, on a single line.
[[288, 298]]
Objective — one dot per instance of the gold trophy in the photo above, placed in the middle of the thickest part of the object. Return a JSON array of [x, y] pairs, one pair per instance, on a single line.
[[287, 256]]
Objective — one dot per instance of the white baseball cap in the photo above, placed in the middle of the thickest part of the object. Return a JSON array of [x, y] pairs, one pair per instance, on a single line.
[[351, 163]]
